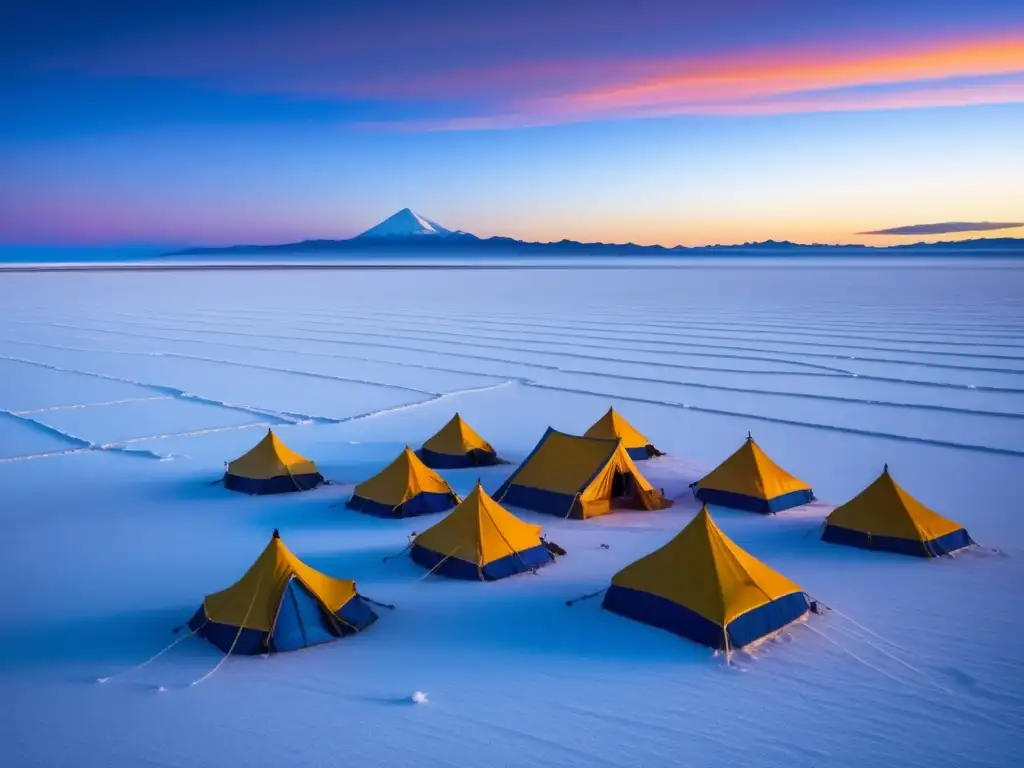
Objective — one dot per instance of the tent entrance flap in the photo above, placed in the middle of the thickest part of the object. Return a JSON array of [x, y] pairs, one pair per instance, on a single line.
[[301, 621]]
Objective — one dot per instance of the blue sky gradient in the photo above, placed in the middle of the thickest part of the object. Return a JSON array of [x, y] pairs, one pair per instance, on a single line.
[[617, 121]]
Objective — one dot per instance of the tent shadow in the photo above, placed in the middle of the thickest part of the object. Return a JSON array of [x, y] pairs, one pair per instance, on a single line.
[[366, 566], [114, 642], [335, 516], [544, 625]]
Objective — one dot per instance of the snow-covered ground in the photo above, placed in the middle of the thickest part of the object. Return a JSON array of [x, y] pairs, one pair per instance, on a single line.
[[835, 370]]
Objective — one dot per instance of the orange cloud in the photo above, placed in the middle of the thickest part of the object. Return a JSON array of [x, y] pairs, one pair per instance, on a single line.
[[782, 81]]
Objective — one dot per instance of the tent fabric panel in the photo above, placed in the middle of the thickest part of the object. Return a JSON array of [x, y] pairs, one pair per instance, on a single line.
[[769, 618], [456, 568], [354, 616], [663, 614], [563, 463], [473, 458], [222, 636], [951, 542], [518, 562], [302, 620], [550, 502], [666, 614], [280, 484], [751, 503], [500, 533], [423, 504]]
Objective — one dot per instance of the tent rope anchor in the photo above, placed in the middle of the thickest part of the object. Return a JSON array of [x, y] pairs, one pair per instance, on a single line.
[[570, 603], [156, 655], [374, 602], [238, 634]]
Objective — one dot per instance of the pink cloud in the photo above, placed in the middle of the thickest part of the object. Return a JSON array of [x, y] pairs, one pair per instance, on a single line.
[[776, 82]]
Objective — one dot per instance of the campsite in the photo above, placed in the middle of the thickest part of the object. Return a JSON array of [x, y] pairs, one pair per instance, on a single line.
[[336, 523]]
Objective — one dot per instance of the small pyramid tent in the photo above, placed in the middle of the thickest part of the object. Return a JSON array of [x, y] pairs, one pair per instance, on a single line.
[[701, 585], [481, 540], [612, 426], [271, 467], [281, 604], [404, 488], [579, 477], [750, 480], [457, 445], [884, 516]]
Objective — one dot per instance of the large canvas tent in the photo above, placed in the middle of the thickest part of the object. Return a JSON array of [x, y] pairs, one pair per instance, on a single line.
[[885, 517], [579, 477], [480, 540], [457, 445], [612, 426], [281, 604], [703, 586], [750, 480], [404, 488], [271, 467]]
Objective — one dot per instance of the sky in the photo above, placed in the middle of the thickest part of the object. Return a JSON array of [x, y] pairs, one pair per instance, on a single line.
[[646, 121]]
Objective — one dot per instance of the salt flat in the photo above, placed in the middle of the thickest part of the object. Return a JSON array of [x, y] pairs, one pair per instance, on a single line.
[[121, 395]]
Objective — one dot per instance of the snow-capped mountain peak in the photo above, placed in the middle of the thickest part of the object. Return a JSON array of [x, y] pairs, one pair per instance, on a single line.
[[406, 223]]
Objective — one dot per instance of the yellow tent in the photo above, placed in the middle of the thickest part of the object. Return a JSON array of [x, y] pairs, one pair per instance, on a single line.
[[481, 540], [457, 445], [404, 488], [579, 477], [271, 467], [281, 604], [750, 480], [884, 516], [612, 426], [701, 585]]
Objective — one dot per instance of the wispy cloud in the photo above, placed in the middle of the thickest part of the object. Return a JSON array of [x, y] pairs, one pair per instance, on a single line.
[[987, 70], [945, 228]]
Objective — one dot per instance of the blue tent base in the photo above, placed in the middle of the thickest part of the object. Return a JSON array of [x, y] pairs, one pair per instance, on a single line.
[[943, 545], [665, 614], [302, 621], [453, 568], [752, 504], [222, 636], [643, 453], [280, 484], [549, 502], [475, 458], [423, 504]]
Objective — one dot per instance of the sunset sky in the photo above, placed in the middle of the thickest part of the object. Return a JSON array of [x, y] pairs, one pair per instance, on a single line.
[[650, 121]]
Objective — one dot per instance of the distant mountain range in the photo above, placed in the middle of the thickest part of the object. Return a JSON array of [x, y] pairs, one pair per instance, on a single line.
[[407, 231]]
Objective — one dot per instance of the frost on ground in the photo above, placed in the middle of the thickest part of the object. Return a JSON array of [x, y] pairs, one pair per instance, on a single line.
[[836, 370]]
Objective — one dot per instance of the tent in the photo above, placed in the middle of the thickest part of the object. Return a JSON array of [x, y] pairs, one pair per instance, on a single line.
[[404, 488], [612, 426], [457, 445], [481, 540], [281, 604], [750, 480], [579, 477], [271, 467], [701, 585], [884, 516]]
